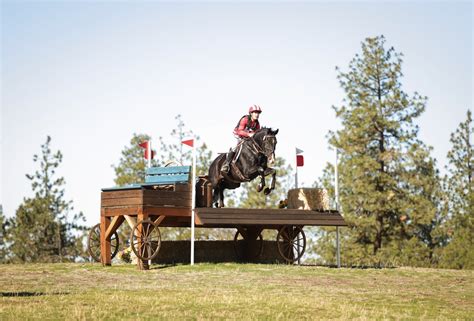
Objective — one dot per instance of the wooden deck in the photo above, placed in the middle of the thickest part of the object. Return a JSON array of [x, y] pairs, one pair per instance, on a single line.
[[231, 217]]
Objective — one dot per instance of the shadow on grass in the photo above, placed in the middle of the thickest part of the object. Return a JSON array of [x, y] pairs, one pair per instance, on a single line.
[[160, 267], [28, 294], [360, 267]]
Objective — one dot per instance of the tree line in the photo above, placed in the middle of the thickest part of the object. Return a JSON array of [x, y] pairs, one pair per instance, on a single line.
[[400, 209]]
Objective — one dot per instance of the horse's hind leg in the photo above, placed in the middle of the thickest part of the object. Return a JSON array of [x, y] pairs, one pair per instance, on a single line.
[[221, 197], [215, 196]]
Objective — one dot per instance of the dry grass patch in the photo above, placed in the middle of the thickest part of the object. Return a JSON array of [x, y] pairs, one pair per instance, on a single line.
[[232, 291]]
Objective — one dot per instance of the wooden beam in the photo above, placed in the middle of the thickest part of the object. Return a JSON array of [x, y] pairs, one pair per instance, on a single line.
[[132, 221], [159, 219], [114, 225]]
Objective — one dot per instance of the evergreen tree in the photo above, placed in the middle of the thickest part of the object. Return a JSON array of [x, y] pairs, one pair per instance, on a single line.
[[459, 253], [132, 164], [3, 227], [384, 167], [41, 230]]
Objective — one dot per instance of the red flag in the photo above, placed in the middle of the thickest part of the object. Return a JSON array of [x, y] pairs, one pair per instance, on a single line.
[[144, 144], [299, 160], [189, 142], [145, 154]]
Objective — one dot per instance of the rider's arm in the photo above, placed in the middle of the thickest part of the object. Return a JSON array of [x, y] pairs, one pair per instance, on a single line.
[[241, 129]]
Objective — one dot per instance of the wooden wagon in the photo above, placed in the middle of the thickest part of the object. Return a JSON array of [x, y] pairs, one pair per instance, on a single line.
[[165, 200]]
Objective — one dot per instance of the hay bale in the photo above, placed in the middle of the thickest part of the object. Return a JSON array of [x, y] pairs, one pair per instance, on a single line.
[[308, 199]]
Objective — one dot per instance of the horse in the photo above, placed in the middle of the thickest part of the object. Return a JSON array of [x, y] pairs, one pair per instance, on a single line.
[[253, 155]]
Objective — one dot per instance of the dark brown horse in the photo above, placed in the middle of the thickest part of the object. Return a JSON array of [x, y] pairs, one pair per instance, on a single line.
[[252, 158]]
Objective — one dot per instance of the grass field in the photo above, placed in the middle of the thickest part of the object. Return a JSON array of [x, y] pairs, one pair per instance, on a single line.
[[232, 291]]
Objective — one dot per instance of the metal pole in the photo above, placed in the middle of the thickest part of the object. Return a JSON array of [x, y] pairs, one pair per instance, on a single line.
[[148, 153], [336, 187], [193, 200], [296, 177]]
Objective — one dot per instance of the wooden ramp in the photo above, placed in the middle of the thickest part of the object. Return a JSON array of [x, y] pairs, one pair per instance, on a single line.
[[231, 217]]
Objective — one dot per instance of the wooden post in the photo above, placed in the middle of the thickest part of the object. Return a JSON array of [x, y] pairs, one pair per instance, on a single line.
[[105, 253], [142, 264]]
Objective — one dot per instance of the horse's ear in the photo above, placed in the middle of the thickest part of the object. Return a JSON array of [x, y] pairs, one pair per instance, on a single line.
[[275, 132]]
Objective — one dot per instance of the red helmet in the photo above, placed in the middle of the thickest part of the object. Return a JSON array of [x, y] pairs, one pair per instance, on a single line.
[[255, 108]]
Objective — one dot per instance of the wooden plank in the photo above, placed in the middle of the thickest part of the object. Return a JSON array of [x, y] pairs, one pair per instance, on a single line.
[[172, 201], [261, 211], [183, 187], [167, 179], [312, 222], [163, 194], [287, 218], [168, 170], [232, 216], [125, 210], [251, 213], [121, 194], [125, 201]]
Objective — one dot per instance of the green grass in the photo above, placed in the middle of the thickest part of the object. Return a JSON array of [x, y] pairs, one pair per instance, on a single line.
[[232, 291]]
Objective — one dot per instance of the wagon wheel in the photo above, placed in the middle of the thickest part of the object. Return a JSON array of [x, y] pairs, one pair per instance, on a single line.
[[248, 249], [291, 243], [145, 240], [93, 243]]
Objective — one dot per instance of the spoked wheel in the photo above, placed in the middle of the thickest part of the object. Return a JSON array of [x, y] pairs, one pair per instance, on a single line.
[[93, 243], [145, 240], [291, 243], [248, 249]]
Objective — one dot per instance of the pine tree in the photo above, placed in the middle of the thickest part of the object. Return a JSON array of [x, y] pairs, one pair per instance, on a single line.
[[459, 253], [3, 229], [132, 164], [381, 156], [41, 230]]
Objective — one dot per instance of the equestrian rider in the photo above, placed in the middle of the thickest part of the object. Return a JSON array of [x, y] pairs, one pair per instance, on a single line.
[[246, 127]]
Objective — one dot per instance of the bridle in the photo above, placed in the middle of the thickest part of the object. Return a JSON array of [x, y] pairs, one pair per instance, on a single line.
[[257, 148]]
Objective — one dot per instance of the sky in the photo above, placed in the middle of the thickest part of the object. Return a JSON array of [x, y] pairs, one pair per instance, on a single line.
[[91, 74]]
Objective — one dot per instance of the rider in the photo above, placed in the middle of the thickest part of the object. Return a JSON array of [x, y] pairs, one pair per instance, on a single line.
[[246, 127]]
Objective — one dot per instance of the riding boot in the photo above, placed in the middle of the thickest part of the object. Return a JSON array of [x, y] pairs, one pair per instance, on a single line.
[[226, 166]]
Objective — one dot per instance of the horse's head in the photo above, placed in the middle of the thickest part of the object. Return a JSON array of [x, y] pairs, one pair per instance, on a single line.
[[266, 139]]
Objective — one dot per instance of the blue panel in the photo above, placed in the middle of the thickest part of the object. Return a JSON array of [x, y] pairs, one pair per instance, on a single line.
[[168, 170], [167, 179]]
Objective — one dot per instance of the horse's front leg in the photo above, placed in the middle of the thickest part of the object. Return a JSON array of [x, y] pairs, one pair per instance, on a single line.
[[261, 173], [269, 171]]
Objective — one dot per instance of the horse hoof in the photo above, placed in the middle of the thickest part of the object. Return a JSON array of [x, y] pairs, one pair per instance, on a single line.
[[267, 191], [259, 188]]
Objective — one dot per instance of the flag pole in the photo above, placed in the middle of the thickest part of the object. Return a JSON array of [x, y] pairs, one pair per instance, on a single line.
[[336, 190], [193, 200], [148, 152], [296, 168]]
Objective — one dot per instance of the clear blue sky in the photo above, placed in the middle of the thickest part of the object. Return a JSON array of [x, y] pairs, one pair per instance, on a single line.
[[90, 74]]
